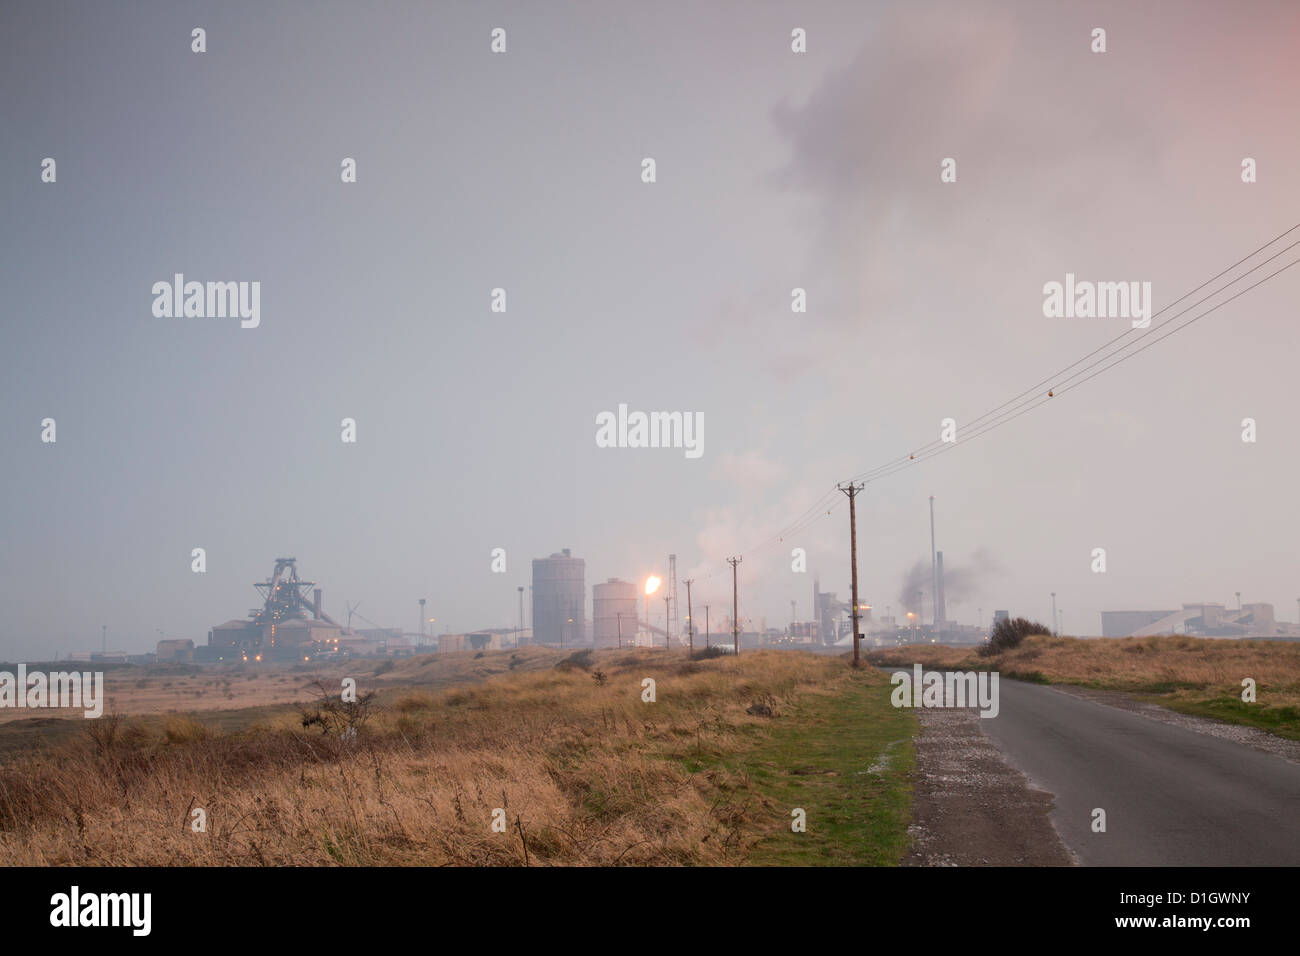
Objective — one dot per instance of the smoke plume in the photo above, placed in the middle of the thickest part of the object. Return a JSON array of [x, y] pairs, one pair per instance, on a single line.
[[961, 582]]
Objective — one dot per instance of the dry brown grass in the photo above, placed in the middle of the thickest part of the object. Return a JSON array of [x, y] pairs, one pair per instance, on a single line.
[[1120, 662], [1197, 675], [186, 687], [586, 774]]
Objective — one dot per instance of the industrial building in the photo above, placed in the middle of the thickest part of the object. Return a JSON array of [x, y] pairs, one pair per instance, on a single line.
[[614, 613], [559, 600], [380, 637], [833, 618], [1198, 620], [828, 613], [288, 625], [1124, 623], [803, 632], [492, 639], [181, 651]]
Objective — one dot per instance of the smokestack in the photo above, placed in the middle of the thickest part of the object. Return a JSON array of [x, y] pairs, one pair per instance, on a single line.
[[934, 570], [817, 609], [941, 611], [316, 604]]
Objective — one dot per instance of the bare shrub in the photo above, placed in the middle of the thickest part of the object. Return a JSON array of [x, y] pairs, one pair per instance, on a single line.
[[336, 716], [578, 660], [1011, 632]]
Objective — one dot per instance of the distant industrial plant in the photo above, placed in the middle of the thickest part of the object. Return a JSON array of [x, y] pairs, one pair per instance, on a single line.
[[1199, 620], [290, 624]]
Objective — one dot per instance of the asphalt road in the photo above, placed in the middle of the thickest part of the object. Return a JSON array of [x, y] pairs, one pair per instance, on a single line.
[[1172, 796]]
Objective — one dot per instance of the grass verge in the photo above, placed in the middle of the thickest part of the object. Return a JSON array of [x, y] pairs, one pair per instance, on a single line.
[[846, 760]]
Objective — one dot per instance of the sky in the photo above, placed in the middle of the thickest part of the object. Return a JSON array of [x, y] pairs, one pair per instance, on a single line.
[[523, 170]]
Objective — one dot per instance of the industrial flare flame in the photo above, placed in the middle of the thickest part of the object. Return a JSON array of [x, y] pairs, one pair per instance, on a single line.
[[651, 584]]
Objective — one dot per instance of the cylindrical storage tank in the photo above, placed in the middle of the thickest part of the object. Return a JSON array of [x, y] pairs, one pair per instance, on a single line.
[[559, 600], [608, 602]]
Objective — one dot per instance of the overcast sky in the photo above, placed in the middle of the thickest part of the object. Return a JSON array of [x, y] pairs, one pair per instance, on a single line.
[[775, 170]]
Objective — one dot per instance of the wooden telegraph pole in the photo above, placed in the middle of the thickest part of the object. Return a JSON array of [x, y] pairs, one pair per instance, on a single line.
[[852, 491], [735, 607], [690, 621]]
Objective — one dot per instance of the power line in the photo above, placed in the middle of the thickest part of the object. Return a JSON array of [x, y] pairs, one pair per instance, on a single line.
[[1161, 338], [1031, 398], [1033, 389], [1058, 390]]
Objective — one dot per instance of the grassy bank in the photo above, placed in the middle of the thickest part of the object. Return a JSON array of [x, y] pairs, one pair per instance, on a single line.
[[565, 756], [1192, 675], [845, 760]]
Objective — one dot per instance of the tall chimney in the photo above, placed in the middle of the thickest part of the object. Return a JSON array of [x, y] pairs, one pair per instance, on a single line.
[[817, 609], [941, 612], [316, 604], [934, 572]]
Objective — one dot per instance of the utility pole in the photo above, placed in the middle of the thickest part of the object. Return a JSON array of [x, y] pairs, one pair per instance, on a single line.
[[852, 491], [735, 606], [1054, 627], [422, 600], [519, 634], [1238, 600], [667, 603], [690, 621], [620, 628], [706, 622], [104, 645]]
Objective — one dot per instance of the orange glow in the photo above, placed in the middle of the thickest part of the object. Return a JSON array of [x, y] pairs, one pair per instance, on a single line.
[[651, 584]]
